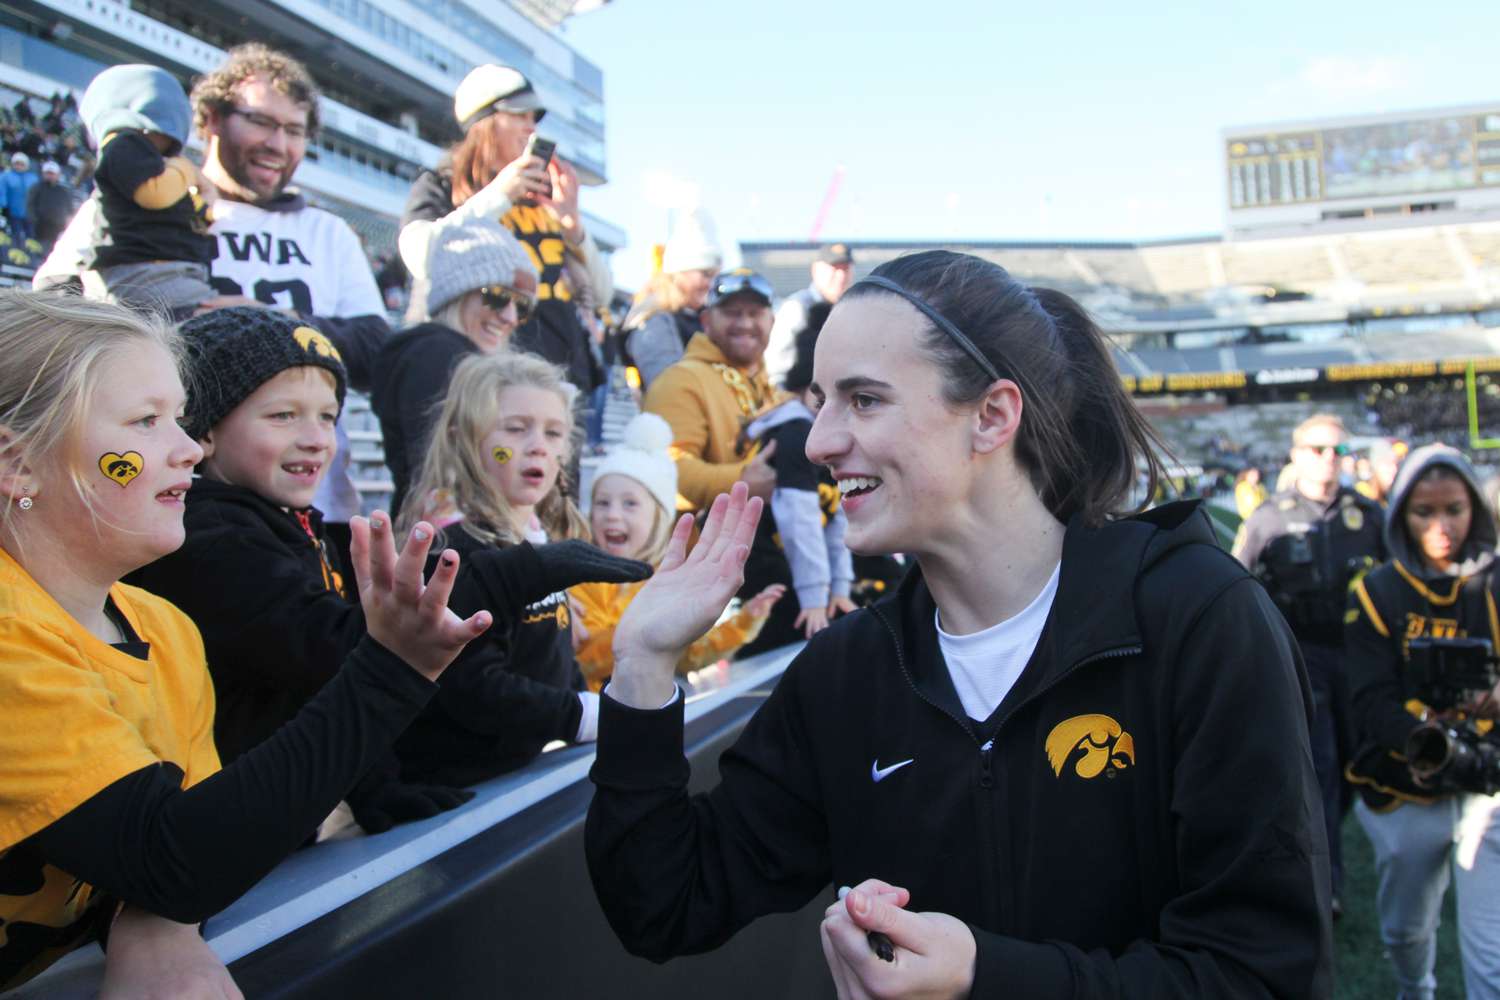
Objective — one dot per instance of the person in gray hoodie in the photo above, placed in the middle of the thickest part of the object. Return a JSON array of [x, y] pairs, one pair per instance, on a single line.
[[1439, 584], [151, 247]]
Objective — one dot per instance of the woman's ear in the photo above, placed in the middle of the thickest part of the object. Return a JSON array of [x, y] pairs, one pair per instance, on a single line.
[[999, 416]]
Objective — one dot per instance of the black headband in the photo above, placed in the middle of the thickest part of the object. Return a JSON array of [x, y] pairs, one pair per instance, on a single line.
[[942, 322]]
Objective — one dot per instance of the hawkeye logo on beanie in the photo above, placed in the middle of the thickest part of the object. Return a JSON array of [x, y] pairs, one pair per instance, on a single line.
[[1095, 744], [314, 342]]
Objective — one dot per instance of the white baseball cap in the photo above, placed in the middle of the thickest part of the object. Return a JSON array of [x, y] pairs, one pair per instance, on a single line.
[[490, 88]]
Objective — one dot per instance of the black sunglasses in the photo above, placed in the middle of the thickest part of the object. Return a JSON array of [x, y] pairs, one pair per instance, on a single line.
[[497, 297], [735, 282]]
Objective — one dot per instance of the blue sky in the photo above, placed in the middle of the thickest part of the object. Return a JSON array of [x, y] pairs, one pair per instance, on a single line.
[[999, 120]]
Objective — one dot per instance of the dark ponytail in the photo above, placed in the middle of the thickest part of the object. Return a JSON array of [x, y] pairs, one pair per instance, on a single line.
[[1081, 442]]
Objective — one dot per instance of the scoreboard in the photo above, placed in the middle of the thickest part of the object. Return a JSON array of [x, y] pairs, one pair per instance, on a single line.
[[1393, 157]]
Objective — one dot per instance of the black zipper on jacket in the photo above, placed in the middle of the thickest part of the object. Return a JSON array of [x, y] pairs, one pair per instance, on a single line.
[[901, 662], [1002, 905]]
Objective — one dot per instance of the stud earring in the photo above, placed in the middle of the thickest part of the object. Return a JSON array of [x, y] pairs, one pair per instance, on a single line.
[[24, 503]]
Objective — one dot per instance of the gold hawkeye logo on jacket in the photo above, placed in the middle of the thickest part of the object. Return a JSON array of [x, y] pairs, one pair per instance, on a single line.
[[1106, 747]]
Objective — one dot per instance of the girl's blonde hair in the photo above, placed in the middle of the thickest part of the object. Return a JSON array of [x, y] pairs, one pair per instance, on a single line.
[[662, 523], [58, 348], [661, 295], [457, 468]]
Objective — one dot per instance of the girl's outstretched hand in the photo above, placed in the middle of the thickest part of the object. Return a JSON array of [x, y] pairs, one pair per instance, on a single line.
[[406, 616], [760, 605], [683, 599]]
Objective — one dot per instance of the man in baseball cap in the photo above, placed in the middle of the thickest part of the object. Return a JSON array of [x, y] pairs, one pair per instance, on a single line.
[[718, 386], [802, 315]]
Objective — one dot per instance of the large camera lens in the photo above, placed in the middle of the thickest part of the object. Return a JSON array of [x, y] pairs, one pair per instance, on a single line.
[[1430, 748]]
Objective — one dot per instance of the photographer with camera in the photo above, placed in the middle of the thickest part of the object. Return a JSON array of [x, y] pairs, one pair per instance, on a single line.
[[1307, 543], [1421, 632]]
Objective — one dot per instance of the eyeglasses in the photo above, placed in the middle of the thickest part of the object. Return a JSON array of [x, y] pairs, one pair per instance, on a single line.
[[497, 297], [1326, 449], [265, 123], [737, 281]]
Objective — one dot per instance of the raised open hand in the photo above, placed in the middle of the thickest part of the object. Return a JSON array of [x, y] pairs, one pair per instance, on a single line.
[[683, 599], [403, 614]]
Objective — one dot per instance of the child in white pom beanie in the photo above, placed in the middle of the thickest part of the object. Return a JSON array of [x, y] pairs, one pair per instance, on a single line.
[[631, 512]]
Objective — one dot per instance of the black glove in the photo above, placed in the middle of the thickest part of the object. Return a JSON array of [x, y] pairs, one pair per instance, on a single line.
[[392, 802], [519, 575], [381, 799]]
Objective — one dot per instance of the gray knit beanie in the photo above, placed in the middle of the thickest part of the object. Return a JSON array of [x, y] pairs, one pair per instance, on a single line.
[[232, 352], [470, 254]]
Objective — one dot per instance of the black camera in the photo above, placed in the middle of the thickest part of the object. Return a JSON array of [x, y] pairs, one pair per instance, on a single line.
[[1452, 755]]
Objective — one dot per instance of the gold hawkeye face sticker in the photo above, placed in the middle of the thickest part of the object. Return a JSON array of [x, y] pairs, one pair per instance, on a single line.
[[121, 468], [502, 454]]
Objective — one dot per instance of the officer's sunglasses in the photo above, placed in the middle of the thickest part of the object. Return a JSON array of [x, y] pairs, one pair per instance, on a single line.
[[497, 297]]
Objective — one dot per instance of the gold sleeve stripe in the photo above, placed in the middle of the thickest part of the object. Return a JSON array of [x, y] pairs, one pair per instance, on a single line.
[[1369, 606]]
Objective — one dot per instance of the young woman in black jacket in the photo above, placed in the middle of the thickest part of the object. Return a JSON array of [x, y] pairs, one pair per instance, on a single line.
[[1438, 586], [1068, 758]]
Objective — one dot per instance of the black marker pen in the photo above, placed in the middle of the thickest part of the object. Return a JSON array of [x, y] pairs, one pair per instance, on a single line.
[[882, 946]]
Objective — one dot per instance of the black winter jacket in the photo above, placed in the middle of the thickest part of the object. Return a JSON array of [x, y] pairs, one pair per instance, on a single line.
[[1139, 817], [508, 694], [412, 372], [268, 595]]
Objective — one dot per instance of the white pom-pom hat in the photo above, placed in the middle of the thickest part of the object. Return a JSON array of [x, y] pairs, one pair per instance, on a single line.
[[643, 455]]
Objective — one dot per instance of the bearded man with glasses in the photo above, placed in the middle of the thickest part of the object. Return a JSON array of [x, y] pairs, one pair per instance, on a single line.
[[1308, 544]]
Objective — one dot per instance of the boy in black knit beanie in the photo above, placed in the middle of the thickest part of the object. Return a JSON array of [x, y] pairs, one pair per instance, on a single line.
[[256, 574]]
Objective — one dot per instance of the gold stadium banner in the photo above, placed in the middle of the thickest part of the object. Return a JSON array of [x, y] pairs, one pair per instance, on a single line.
[[1152, 385], [1382, 370]]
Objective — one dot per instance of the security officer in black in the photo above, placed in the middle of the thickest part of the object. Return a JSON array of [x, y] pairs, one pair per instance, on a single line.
[[1308, 544]]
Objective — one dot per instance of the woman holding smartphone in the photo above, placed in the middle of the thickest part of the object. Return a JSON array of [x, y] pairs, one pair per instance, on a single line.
[[495, 172], [1068, 757]]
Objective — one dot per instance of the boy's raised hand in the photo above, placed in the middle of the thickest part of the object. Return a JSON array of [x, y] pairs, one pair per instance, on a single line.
[[683, 599], [406, 616]]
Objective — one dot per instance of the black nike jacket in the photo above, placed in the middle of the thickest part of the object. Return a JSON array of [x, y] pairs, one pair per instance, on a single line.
[[1139, 817]]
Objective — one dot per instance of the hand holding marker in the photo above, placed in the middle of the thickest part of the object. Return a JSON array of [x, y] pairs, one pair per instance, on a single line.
[[881, 945]]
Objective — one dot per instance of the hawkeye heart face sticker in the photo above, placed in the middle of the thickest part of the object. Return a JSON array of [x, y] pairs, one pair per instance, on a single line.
[[502, 454], [121, 468]]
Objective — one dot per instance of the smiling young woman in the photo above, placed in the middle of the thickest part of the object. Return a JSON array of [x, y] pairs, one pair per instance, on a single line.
[[1116, 674]]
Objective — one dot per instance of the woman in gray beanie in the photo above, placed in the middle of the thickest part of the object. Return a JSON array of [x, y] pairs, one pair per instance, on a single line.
[[481, 285]]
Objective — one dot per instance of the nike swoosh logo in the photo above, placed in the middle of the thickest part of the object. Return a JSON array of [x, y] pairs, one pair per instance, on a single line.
[[878, 773]]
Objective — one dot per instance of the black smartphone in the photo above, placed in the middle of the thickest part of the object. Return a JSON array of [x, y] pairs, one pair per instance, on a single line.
[[537, 146]]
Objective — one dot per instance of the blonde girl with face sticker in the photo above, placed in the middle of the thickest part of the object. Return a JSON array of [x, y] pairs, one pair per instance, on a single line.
[[631, 507], [492, 483], [1069, 754], [120, 673]]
